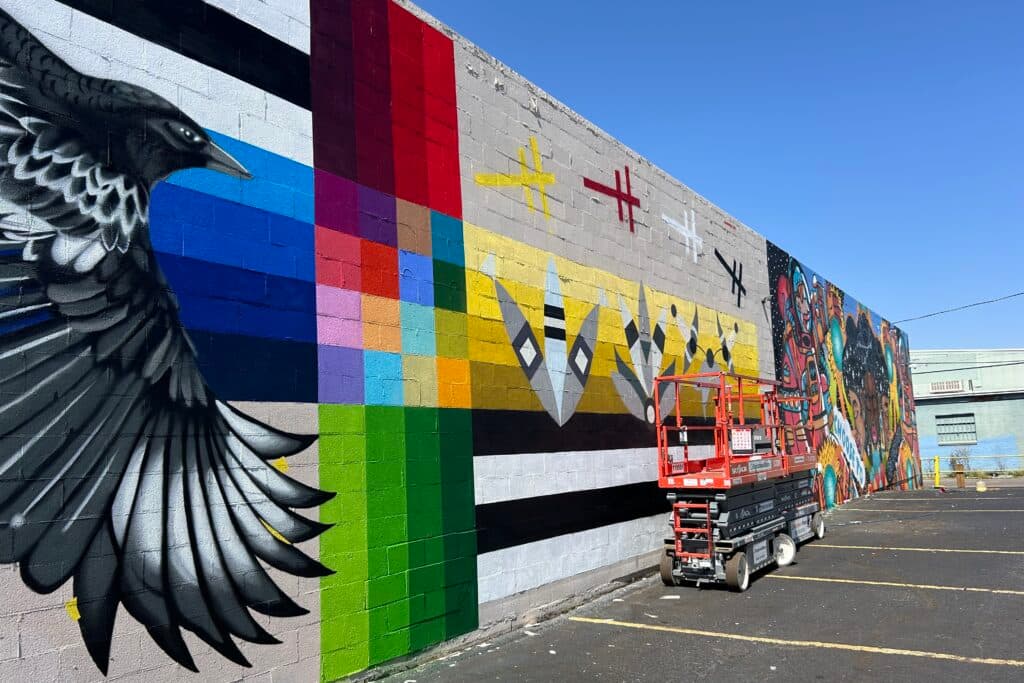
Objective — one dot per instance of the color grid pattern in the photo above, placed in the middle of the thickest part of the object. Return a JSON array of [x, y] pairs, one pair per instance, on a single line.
[[391, 334]]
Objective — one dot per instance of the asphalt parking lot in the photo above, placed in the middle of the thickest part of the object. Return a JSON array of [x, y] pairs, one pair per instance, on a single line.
[[916, 585]]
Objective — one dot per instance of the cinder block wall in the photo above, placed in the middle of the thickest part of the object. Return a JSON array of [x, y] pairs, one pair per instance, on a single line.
[[455, 287]]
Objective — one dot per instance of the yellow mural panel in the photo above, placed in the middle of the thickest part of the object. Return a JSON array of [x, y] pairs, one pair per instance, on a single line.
[[531, 278]]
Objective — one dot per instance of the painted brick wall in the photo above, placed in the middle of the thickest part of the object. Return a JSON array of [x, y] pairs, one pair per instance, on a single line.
[[441, 299]]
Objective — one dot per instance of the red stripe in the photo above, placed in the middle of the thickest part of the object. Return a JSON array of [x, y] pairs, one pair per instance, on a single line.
[[408, 106]]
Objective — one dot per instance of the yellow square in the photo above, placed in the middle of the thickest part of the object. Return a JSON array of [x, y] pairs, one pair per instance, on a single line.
[[419, 380]]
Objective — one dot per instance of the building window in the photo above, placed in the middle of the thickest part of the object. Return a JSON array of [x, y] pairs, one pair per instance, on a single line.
[[948, 386], [956, 429]]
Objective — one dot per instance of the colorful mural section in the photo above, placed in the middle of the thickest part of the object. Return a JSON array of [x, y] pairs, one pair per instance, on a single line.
[[564, 355], [854, 367], [391, 326]]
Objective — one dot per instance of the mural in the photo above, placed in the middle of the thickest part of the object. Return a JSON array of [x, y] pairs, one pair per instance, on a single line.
[[558, 376], [735, 272], [395, 393], [634, 380], [119, 467], [854, 369], [527, 178], [607, 369], [687, 229], [621, 197], [444, 319]]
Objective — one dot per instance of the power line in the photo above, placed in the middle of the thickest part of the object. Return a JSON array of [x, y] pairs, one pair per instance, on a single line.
[[968, 367], [960, 308], [952, 362]]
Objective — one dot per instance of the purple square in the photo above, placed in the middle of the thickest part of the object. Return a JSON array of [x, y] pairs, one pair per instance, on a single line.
[[341, 375], [378, 217], [336, 203]]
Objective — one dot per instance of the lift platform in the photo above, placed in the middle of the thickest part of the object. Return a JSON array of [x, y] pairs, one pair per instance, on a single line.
[[742, 498]]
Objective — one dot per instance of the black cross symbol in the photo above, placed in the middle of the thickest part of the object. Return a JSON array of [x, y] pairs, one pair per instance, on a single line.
[[736, 273]]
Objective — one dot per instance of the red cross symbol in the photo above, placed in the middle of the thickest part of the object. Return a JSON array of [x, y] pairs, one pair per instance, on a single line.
[[616, 193]]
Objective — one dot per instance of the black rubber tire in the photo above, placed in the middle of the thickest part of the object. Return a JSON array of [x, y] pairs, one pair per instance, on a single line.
[[818, 525], [785, 550], [666, 569], [737, 572]]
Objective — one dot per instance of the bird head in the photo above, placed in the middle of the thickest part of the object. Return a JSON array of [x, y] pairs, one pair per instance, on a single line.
[[173, 142]]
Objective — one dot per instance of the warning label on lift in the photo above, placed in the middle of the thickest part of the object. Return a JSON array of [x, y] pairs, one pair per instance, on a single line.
[[760, 552]]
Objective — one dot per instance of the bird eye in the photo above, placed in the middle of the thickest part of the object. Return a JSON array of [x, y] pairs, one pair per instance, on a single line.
[[188, 135]]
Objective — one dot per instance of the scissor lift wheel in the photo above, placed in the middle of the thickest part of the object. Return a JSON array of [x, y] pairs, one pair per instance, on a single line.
[[737, 572], [666, 569], [785, 550], [818, 525]]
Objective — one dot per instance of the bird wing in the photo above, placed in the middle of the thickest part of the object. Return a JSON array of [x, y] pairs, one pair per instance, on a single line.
[[46, 157], [119, 468]]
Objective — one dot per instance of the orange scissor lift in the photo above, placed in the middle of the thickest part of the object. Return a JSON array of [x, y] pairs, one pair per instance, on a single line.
[[743, 495]]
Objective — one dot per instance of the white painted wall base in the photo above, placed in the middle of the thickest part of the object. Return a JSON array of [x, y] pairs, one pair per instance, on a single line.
[[559, 596]]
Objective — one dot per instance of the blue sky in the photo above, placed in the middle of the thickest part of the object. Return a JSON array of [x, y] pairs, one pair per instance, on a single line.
[[882, 143]]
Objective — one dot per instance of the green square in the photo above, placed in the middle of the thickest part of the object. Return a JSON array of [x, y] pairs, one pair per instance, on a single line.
[[390, 531], [383, 503], [335, 419], [435, 603], [398, 558], [389, 646], [387, 589], [449, 286], [343, 662], [421, 421], [344, 597], [378, 563], [426, 633], [399, 615], [377, 619], [456, 571], [425, 579]]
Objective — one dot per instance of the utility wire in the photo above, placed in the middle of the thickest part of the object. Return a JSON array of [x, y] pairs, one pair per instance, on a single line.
[[954, 362], [967, 367], [960, 308]]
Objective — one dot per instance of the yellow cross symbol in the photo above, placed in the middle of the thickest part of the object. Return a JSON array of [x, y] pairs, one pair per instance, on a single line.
[[526, 178]]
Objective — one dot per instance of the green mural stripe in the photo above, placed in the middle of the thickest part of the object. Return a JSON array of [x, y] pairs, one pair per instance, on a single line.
[[344, 626], [426, 542], [458, 518], [387, 589]]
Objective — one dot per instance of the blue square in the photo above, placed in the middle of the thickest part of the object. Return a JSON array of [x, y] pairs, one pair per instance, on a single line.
[[418, 330], [416, 278], [383, 378], [446, 239]]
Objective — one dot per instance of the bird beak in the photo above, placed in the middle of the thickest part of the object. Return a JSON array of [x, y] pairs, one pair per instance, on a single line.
[[219, 160]]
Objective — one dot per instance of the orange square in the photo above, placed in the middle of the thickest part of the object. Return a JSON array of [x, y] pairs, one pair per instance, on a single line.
[[382, 329], [453, 387]]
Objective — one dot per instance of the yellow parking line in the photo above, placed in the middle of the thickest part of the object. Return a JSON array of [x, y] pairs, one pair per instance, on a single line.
[[805, 643], [916, 550], [894, 584], [853, 509]]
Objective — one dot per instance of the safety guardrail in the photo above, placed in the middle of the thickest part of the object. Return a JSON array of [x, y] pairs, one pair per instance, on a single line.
[[974, 466]]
